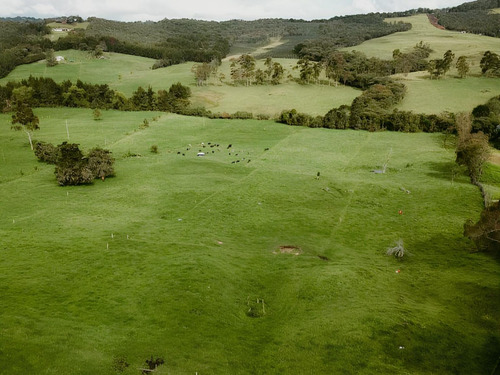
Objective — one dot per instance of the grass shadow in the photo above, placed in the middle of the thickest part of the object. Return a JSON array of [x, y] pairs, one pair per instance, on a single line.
[[449, 171]]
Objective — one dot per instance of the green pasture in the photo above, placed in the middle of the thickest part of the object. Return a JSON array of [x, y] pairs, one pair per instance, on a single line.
[[126, 73], [173, 257], [448, 94], [470, 45]]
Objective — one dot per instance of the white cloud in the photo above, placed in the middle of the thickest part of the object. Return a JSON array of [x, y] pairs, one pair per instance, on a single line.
[[365, 6], [128, 10]]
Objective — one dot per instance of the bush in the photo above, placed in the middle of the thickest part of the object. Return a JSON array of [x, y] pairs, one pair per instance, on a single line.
[[242, 115], [73, 168], [45, 152], [100, 162]]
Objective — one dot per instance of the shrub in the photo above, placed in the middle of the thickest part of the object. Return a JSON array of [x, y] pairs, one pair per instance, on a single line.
[[71, 166], [242, 115], [100, 162], [45, 152], [154, 149]]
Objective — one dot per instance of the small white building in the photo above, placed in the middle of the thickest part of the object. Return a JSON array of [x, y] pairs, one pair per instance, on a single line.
[[59, 58]]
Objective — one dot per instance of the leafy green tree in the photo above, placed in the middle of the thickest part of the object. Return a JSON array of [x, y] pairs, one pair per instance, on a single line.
[[335, 65], [260, 77], [306, 69], [75, 97], [490, 63], [472, 148], [100, 162], [486, 232], [277, 73], [24, 119], [439, 67], [97, 114], [143, 100], [462, 66], [243, 69], [46, 152], [202, 72], [269, 67], [50, 58], [71, 166]]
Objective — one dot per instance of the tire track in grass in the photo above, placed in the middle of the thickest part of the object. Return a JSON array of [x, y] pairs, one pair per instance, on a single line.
[[350, 191]]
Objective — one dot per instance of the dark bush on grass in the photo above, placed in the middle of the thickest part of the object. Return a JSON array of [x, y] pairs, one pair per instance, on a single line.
[[45, 152], [100, 162]]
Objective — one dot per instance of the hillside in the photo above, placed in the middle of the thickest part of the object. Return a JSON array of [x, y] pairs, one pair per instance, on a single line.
[[191, 259]]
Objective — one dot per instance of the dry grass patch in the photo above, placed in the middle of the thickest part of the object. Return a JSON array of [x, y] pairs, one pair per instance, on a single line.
[[288, 249]]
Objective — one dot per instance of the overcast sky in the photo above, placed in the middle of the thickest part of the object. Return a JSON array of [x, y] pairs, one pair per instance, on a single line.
[[219, 10]]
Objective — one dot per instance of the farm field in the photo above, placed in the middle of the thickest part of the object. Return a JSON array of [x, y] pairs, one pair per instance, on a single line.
[[256, 266], [470, 45], [126, 73], [446, 95]]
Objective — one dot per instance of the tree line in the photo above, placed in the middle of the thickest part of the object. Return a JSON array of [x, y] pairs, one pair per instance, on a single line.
[[473, 17], [45, 92]]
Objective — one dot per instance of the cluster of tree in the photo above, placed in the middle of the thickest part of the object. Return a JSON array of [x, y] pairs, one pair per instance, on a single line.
[[21, 43], [356, 70], [439, 67], [372, 111], [486, 232], [490, 64], [219, 36], [486, 119], [65, 19], [473, 17], [340, 118], [476, 5], [203, 72], [72, 166], [173, 41], [412, 61], [473, 151], [472, 147], [45, 92], [474, 21], [348, 31], [244, 71]]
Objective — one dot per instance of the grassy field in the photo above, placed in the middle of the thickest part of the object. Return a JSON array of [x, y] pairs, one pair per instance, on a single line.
[[448, 94], [126, 73], [173, 257], [471, 45]]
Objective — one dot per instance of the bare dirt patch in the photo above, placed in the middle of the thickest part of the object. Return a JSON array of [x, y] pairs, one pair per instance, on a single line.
[[434, 21], [288, 249]]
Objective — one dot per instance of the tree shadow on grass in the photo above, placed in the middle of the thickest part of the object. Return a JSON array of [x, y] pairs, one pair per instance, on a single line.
[[449, 171]]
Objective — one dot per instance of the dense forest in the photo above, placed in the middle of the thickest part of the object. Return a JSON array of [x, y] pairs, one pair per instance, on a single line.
[[21, 43], [473, 17]]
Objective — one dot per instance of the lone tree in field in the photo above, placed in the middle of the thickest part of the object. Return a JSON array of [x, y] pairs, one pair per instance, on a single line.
[[24, 119], [472, 148], [462, 66]]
